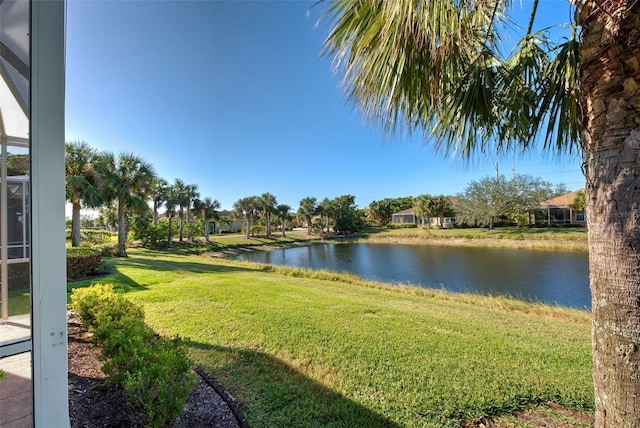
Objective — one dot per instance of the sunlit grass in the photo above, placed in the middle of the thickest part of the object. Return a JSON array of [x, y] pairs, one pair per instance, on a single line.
[[305, 348], [19, 302], [573, 238]]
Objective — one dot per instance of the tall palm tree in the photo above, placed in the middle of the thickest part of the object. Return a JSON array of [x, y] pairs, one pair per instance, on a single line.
[[171, 205], [247, 208], [192, 194], [184, 194], [307, 210], [434, 66], [81, 183], [283, 211], [208, 209], [158, 196], [267, 204], [128, 181], [325, 208]]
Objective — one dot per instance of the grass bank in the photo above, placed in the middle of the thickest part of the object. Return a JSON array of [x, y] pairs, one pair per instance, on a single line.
[[304, 348], [553, 238]]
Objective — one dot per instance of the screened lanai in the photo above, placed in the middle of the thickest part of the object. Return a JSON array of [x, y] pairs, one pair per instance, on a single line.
[[14, 176]]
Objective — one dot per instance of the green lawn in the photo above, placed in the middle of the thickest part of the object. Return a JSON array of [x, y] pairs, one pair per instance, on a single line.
[[300, 349]]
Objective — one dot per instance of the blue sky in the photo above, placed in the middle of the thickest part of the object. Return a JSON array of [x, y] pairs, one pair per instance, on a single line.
[[235, 97]]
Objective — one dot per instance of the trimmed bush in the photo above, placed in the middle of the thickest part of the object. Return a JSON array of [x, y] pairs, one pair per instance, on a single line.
[[95, 236], [82, 261], [154, 371]]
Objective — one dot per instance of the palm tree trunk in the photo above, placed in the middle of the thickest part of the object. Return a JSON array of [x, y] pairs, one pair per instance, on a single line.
[[283, 227], [610, 101], [206, 230], [248, 227], [75, 224], [267, 220], [308, 225], [181, 234], [122, 231], [169, 233], [155, 214]]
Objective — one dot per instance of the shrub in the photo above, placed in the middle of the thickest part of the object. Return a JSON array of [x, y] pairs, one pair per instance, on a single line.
[[82, 261], [109, 250], [155, 372], [96, 236]]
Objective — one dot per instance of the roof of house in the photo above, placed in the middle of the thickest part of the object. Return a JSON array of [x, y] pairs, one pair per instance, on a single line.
[[563, 200], [403, 212]]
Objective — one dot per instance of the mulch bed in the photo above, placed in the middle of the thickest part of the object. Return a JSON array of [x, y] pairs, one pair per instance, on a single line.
[[94, 403]]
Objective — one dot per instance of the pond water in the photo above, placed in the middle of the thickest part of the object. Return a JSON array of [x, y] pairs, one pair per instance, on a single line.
[[553, 277]]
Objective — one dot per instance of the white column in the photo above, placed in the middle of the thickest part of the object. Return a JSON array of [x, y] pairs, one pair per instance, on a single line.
[[48, 292]]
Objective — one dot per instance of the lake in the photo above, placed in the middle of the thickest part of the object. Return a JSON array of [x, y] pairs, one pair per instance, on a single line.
[[552, 277]]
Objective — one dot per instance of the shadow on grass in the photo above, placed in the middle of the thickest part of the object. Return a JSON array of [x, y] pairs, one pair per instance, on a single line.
[[271, 392], [125, 283]]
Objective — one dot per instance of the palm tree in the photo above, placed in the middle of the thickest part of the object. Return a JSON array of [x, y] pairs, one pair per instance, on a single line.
[[247, 207], [434, 66], [208, 209], [325, 208], [128, 181], [307, 209], [171, 205], [423, 207], [158, 196], [192, 194], [184, 193], [283, 211], [267, 204], [81, 183]]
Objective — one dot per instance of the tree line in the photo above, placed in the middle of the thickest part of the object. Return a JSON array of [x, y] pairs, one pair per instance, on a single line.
[[130, 195]]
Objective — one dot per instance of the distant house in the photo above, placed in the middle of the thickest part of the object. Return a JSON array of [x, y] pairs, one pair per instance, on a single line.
[[408, 216], [558, 211], [404, 217]]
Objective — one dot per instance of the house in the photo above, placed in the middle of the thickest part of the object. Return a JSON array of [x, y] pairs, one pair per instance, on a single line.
[[404, 217], [408, 216], [558, 211]]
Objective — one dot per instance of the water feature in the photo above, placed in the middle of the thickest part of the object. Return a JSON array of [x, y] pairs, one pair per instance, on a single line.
[[553, 277]]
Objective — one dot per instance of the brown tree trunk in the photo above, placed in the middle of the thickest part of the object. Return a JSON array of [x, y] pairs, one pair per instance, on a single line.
[[610, 104], [122, 231], [75, 224], [181, 230]]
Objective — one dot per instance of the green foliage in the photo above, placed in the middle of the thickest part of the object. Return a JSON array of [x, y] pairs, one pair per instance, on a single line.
[[95, 236], [491, 200], [579, 202], [193, 229], [17, 164], [109, 250], [150, 235], [346, 215], [381, 211], [154, 372], [82, 261]]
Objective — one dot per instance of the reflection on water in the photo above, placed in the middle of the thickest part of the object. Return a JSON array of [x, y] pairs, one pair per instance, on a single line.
[[554, 277]]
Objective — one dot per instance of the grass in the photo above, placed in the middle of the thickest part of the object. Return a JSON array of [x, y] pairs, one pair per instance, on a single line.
[[304, 348], [19, 302], [552, 238]]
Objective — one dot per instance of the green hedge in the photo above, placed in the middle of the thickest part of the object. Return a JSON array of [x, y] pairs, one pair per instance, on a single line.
[[154, 371], [82, 261]]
